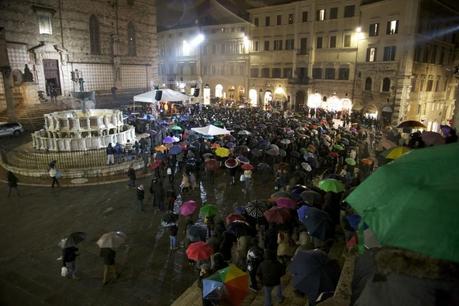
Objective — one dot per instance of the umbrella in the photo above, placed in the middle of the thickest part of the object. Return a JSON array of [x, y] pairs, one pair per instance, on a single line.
[[277, 215], [169, 219], [176, 128], [285, 202], [231, 163], [222, 152], [111, 240], [208, 210], [188, 208], [196, 232], [296, 191], [306, 167], [230, 283], [285, 141], [312, 274], [168, 139], [175, 139], [199, 250], [279, 194], [331, 185], [311, 197], [218, 123], [247, 167], [212, 165], [255, 209], [338, 147], [411, 203], [175, 149], [432, 138], [239, 228], [230, 144], [350, 161], [333, 154], [263, 167], [244, 133], [207, 155], [318, 223], [242, 159], [72, 240], [396, 152], [411, 124], [233, 217], [215, 145], [367, 161], [161, 148]]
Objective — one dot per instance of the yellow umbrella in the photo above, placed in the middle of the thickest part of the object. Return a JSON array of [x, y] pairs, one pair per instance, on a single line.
[[222, 152], [161, 148], [397, 152]]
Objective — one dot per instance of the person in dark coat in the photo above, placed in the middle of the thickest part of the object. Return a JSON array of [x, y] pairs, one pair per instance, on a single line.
[[226, 245], [157, 191], [217, 262], [12, 183], [108, 255], [271, 237], [69, 256], [254, 259], [270, 272], [140, 197], [132, 176], [173, 231]]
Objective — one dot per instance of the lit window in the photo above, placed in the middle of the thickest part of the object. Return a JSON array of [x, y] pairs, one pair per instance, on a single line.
[[371, 54], [321, 15], [392, 27], [45, 25]]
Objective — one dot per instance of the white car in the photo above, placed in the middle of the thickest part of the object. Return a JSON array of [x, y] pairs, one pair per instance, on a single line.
[[11, 129]]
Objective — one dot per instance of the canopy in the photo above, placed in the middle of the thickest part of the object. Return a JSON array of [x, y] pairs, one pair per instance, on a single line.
[[168, 95], [211, 130]]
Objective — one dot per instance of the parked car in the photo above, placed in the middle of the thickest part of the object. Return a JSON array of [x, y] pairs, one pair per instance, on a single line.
[[11, 129]]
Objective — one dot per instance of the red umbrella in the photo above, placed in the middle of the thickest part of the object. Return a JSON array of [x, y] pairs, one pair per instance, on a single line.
[[155, 164], [285, 202], [247, 167], [212, 164], [233, 217], [199, 251], [277, 215], [333, 154]]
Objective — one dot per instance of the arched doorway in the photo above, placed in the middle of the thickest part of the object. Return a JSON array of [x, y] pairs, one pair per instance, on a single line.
[[219, 91], [253, 97], [299, 100]]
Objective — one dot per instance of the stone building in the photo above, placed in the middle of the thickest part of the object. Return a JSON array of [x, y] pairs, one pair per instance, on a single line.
[[209, 50], [106, 43]]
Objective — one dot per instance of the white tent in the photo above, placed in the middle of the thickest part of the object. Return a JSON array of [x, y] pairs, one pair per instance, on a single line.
[[168, 95], [211, 130]]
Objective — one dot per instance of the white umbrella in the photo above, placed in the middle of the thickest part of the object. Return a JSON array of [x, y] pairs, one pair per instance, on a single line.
[[211, 130], [111, 240], [167, 95]]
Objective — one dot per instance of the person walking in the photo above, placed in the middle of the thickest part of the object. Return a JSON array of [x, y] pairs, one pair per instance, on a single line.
[[110, 154], [69, 256], [110, 274], [157, 191], [140, 197], [270, 272], [131, 175], [54, 174], [173, 230], [254, 259], [12, 183]]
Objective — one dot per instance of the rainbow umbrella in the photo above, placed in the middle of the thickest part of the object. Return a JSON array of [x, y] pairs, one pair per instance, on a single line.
[[188, 208], [230, 284], [222, 152]]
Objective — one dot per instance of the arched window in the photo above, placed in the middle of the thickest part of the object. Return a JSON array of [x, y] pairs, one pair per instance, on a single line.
[[94, 35], [385, 85], [368, 84], [131, 40]]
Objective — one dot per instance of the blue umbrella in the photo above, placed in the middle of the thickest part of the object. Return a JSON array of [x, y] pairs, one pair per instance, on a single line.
[[230, 145], [312, 274], [242, 159], [302, 211], [175, 150], [160, 155], [296, 191], [212, 289], [168, 140], [318, 223]]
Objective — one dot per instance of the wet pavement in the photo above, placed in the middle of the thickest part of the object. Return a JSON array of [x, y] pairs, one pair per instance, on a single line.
[[151, 274]]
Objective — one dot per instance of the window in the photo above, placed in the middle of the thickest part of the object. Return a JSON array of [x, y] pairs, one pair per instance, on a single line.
[[333, 13], [320, 15], [349, 11], [429, 85], [130, 2], [368, 84], [279, 19], [332, 41], [374, 29], [319, 42], [392, 27], [289, 44], [343, 73], [278, 44], [371, 54], [329, 73], [317, 73], [131, 40], [265, 72], [291, 19], [256, 46], [304, 17], [94, 39], [266, 45], [255, 21], [45, 25], [267, 21], [276, 73], [287, 73], [347, 41], [385, 85], [389, 53], [303, 45], [254, 72]]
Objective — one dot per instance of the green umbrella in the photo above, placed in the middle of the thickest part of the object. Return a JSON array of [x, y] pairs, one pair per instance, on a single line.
[[350, 161], [338, 147], [176, 128], [218, 123], [412, 202], [331, 185], [208, 210]]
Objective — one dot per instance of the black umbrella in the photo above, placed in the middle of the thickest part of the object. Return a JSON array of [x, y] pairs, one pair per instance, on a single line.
[[72, 240], [196, 232], [169, 219], [239, 228], [255, 209]]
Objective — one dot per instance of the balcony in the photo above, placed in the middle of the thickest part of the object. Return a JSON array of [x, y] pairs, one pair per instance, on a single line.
[[299, 80]]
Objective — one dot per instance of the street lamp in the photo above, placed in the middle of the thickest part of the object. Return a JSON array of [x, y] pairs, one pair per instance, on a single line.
[[359, 35]]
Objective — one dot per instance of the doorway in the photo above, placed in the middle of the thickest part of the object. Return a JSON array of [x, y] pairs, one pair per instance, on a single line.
[[52, 81], [299, 100]]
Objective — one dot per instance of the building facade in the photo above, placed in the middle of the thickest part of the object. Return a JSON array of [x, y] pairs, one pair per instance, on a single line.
[[105, 43]]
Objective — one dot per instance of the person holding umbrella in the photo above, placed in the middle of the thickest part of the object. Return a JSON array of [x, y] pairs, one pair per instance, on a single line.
[[70, 253], [254, 259], [108, 243]]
